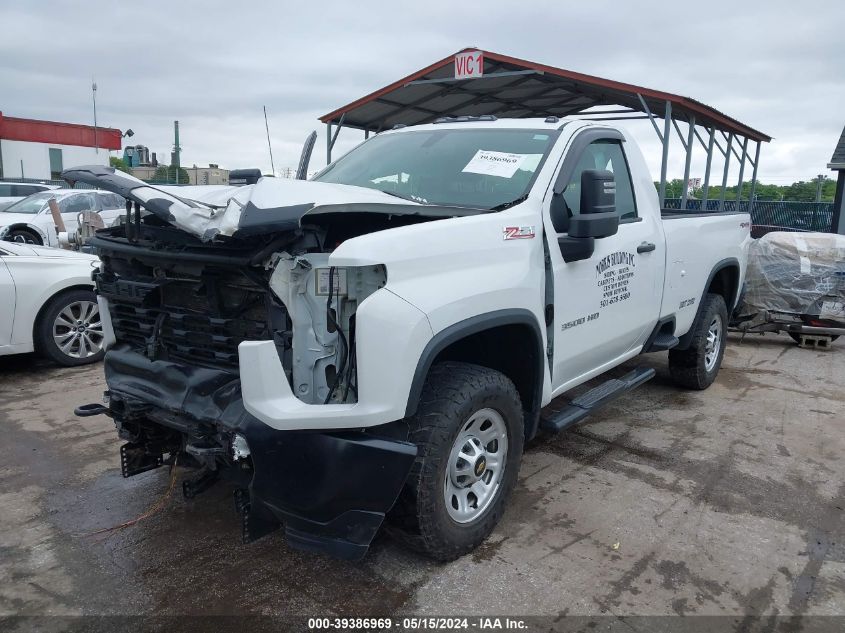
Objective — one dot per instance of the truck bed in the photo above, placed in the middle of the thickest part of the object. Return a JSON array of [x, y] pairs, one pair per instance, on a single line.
[[692, 251], [673, 214]]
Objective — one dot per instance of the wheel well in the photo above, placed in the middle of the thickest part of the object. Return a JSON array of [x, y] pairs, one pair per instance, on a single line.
[[724, 283], [25, 227], [37, 321], [512, 350]]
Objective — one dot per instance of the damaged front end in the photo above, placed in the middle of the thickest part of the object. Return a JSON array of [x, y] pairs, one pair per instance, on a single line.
[[179, 307]]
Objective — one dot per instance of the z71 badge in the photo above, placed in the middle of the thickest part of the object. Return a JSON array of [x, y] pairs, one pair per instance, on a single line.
[[519, 232]]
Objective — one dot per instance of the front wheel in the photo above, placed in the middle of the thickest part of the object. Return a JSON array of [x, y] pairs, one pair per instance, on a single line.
[[696, 366], [24, 236], [70, 330], [469, 432]]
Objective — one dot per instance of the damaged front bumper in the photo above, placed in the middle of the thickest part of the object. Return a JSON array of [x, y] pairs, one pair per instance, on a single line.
[[330, 489]]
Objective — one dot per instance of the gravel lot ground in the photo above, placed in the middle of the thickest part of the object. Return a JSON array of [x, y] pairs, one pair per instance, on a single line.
[[728, 501]]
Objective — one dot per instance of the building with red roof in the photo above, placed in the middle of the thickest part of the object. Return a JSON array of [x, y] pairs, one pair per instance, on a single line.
[[30, 148]]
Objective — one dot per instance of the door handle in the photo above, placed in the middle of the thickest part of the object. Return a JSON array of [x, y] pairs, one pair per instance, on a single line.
[[646, 247]]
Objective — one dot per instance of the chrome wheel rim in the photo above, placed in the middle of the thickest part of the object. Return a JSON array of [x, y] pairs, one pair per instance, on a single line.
[[476, 465], [714, 343], [78, 330]]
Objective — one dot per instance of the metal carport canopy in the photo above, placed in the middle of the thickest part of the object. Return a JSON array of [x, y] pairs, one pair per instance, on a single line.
[[515, 88]]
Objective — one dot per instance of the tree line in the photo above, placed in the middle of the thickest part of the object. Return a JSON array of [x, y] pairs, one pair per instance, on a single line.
[[801, 191]]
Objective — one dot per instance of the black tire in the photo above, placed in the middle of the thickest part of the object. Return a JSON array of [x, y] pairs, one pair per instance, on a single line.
[[690, 367], [45, 341], [797, 337], [452, 394], [24, 236]]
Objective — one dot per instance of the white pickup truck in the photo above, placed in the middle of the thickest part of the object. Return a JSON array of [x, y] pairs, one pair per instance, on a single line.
[[378, 342]]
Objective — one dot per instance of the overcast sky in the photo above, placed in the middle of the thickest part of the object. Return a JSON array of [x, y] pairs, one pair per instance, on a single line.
[[777, 66]]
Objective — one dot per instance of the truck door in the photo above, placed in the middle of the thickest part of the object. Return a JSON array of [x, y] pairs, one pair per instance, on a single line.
[[7, 302], [606, 305]]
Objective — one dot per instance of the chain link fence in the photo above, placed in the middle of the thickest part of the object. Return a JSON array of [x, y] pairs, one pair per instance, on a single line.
[[771, 215]]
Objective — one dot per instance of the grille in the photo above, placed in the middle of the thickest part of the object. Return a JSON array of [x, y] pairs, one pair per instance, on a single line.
[[178, 322]]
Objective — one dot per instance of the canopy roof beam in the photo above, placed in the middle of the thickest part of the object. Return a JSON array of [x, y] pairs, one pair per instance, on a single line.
[[444, 80]]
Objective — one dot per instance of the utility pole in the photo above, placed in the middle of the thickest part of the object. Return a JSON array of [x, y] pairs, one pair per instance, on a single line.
[[819, 182], [94, 96], [176, 150]]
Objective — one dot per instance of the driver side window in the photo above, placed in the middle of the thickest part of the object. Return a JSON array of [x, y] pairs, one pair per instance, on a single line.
[[76, 204], [605, 155]]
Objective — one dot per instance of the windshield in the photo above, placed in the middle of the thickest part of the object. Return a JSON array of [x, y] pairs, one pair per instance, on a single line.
[[484, 168], [31, 204]]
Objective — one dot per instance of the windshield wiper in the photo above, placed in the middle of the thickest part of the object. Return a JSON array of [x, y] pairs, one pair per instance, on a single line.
[[400, 196], [508, 205]]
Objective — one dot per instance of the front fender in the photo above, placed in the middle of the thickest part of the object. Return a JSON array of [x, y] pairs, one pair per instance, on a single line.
[[391, 335]]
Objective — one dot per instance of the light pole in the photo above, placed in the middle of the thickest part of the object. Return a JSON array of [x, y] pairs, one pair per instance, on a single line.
[[94, 97]]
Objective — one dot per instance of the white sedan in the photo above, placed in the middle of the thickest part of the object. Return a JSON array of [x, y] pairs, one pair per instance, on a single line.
[[48, 305], [29, 221], [11, 192]]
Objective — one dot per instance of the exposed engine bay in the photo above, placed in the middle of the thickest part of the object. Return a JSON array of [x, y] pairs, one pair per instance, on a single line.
[[174, 300]]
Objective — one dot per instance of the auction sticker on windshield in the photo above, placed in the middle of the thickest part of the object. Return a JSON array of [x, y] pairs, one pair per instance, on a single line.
[[489, 163]]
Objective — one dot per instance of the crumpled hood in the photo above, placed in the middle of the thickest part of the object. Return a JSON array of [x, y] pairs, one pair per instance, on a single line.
[[209, 211]]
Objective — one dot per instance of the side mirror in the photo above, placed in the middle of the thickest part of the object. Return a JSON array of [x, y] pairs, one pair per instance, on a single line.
[[597, 225], [598, 217], [598, 192]]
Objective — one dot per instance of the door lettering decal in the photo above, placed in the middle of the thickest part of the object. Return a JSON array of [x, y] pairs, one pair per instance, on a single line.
[[614, 271]]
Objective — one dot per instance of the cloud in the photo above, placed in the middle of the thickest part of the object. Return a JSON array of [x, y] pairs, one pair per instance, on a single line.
[[213, 65]]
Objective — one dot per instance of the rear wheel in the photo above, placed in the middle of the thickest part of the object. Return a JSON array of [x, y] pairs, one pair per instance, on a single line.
[[70, 330], [697, 366], [469, 432]]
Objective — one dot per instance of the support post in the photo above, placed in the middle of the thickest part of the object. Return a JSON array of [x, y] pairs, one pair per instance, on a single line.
[[734, 149], [741, 172], [753, 193], [667, 121], [328, 143], [725, 172], [331, 138], [707, 169], [687, 162], [838, 219]]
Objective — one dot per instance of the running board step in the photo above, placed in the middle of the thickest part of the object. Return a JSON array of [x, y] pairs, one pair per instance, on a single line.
[[663, 342], [586, 403]]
